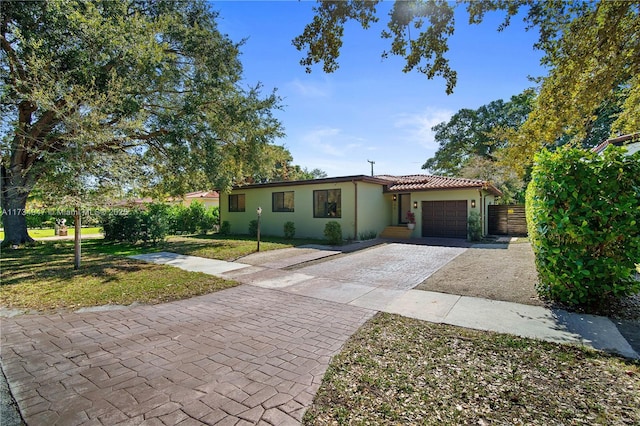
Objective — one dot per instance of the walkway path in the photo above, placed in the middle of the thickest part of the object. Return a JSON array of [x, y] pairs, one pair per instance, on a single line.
[[253, 354], [381, 278]]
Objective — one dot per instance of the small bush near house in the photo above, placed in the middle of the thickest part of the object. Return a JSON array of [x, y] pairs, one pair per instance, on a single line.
[[225, 228], [289, 230], [583, 211], [475, 226], [367, 235], [333, 232], [253, 228]]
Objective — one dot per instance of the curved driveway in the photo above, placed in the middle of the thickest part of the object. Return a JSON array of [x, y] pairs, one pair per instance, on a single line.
[[247, 355]]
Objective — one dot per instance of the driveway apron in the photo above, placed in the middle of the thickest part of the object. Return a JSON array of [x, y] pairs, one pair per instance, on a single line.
[[245, 355]]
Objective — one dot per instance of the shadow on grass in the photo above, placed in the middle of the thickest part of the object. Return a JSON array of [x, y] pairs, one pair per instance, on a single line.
[[53, 261]]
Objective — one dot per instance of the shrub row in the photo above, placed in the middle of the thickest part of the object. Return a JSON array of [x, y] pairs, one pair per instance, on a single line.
[[156, 221], [583, 211]]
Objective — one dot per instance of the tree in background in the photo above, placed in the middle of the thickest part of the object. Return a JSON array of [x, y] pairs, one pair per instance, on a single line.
[[472, 134], [146, 86], [590, 48]]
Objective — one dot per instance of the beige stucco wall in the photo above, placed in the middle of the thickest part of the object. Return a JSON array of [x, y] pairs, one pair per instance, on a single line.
[[446, 195], [207, 202], [373, 212]]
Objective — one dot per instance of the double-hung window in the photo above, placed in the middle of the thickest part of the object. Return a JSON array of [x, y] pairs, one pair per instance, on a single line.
[[236, 202], [327, 203], [282, 201]]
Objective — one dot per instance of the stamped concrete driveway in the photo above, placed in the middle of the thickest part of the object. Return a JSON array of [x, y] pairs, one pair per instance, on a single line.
[[370, 278], [245, 355]]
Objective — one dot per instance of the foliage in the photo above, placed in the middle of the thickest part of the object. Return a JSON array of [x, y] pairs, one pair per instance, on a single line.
[[475, 133], [594, 65], [289, 230], [277, 167], [225, 228], [411, 217], [140, 93], [367, 235], [501, 176], [253, 228], [193, 218], [582, 214], [148, 225], [475, 226], [333, 232]]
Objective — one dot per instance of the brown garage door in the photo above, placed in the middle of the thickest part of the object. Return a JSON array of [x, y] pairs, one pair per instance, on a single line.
[[444, 219]]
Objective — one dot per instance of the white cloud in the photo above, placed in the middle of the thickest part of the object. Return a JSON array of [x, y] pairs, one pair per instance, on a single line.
[[309, 89], [417, 126], [332, 141]]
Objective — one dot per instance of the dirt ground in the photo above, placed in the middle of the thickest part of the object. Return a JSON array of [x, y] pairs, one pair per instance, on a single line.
[[503, 272]]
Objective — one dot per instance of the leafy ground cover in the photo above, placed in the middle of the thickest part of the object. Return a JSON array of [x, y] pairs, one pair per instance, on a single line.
[[398, 370], [43, 233]]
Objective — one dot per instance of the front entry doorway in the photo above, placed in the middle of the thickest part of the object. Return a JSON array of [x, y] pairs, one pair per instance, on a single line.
[[404, 206]]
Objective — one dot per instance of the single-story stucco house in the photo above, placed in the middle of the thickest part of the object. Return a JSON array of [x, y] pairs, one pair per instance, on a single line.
[[363, 205], [206, 198]]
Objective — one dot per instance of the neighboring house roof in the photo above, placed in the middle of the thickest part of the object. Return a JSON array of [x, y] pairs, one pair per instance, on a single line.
[[202, 194], [619, 141], [429, 182], [133, 202], [393, 183]]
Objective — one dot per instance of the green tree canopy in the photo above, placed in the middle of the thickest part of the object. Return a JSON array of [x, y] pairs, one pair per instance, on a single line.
[[477, 133], [144, 85]]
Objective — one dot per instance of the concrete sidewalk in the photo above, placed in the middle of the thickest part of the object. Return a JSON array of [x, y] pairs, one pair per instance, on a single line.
[[471, 312]]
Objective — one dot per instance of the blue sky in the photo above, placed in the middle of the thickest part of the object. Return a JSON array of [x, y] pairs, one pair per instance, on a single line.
[[369, 109]]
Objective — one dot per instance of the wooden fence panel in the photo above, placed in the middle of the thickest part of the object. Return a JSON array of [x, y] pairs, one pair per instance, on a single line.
[[507, 220]]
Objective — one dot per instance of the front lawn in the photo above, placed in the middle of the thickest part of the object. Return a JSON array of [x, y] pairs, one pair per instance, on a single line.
[[398, 371], [41, 277], [43, 233]]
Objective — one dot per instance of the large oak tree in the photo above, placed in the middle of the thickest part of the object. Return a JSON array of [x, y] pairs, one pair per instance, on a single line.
[[142, 85]]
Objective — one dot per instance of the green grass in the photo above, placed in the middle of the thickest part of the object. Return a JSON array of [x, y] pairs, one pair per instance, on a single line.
[[41, 276], [212, 246], [398, 370], [43, 233]]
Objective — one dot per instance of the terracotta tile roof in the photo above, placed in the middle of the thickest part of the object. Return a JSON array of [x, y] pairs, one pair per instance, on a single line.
[[429, 182]]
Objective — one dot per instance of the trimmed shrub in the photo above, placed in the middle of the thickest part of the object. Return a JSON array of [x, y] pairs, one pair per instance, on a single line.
[[289, 230], [150, 225], [367, 235], [253, 228], [475, 226], [225, 228], [333, 233], [195, 218], [583, 211]]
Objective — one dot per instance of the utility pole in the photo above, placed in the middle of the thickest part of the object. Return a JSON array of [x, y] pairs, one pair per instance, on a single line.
[[372, 163]]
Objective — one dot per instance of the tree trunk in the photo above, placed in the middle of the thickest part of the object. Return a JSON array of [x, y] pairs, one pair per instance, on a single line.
[[77, 239], [15, 190], [14, 220]]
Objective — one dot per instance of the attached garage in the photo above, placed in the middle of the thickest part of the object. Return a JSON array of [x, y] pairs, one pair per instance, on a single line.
[[444, 219]]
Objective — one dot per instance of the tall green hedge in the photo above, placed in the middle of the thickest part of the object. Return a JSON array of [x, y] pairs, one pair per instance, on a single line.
[[583, 216], [156, 221]]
